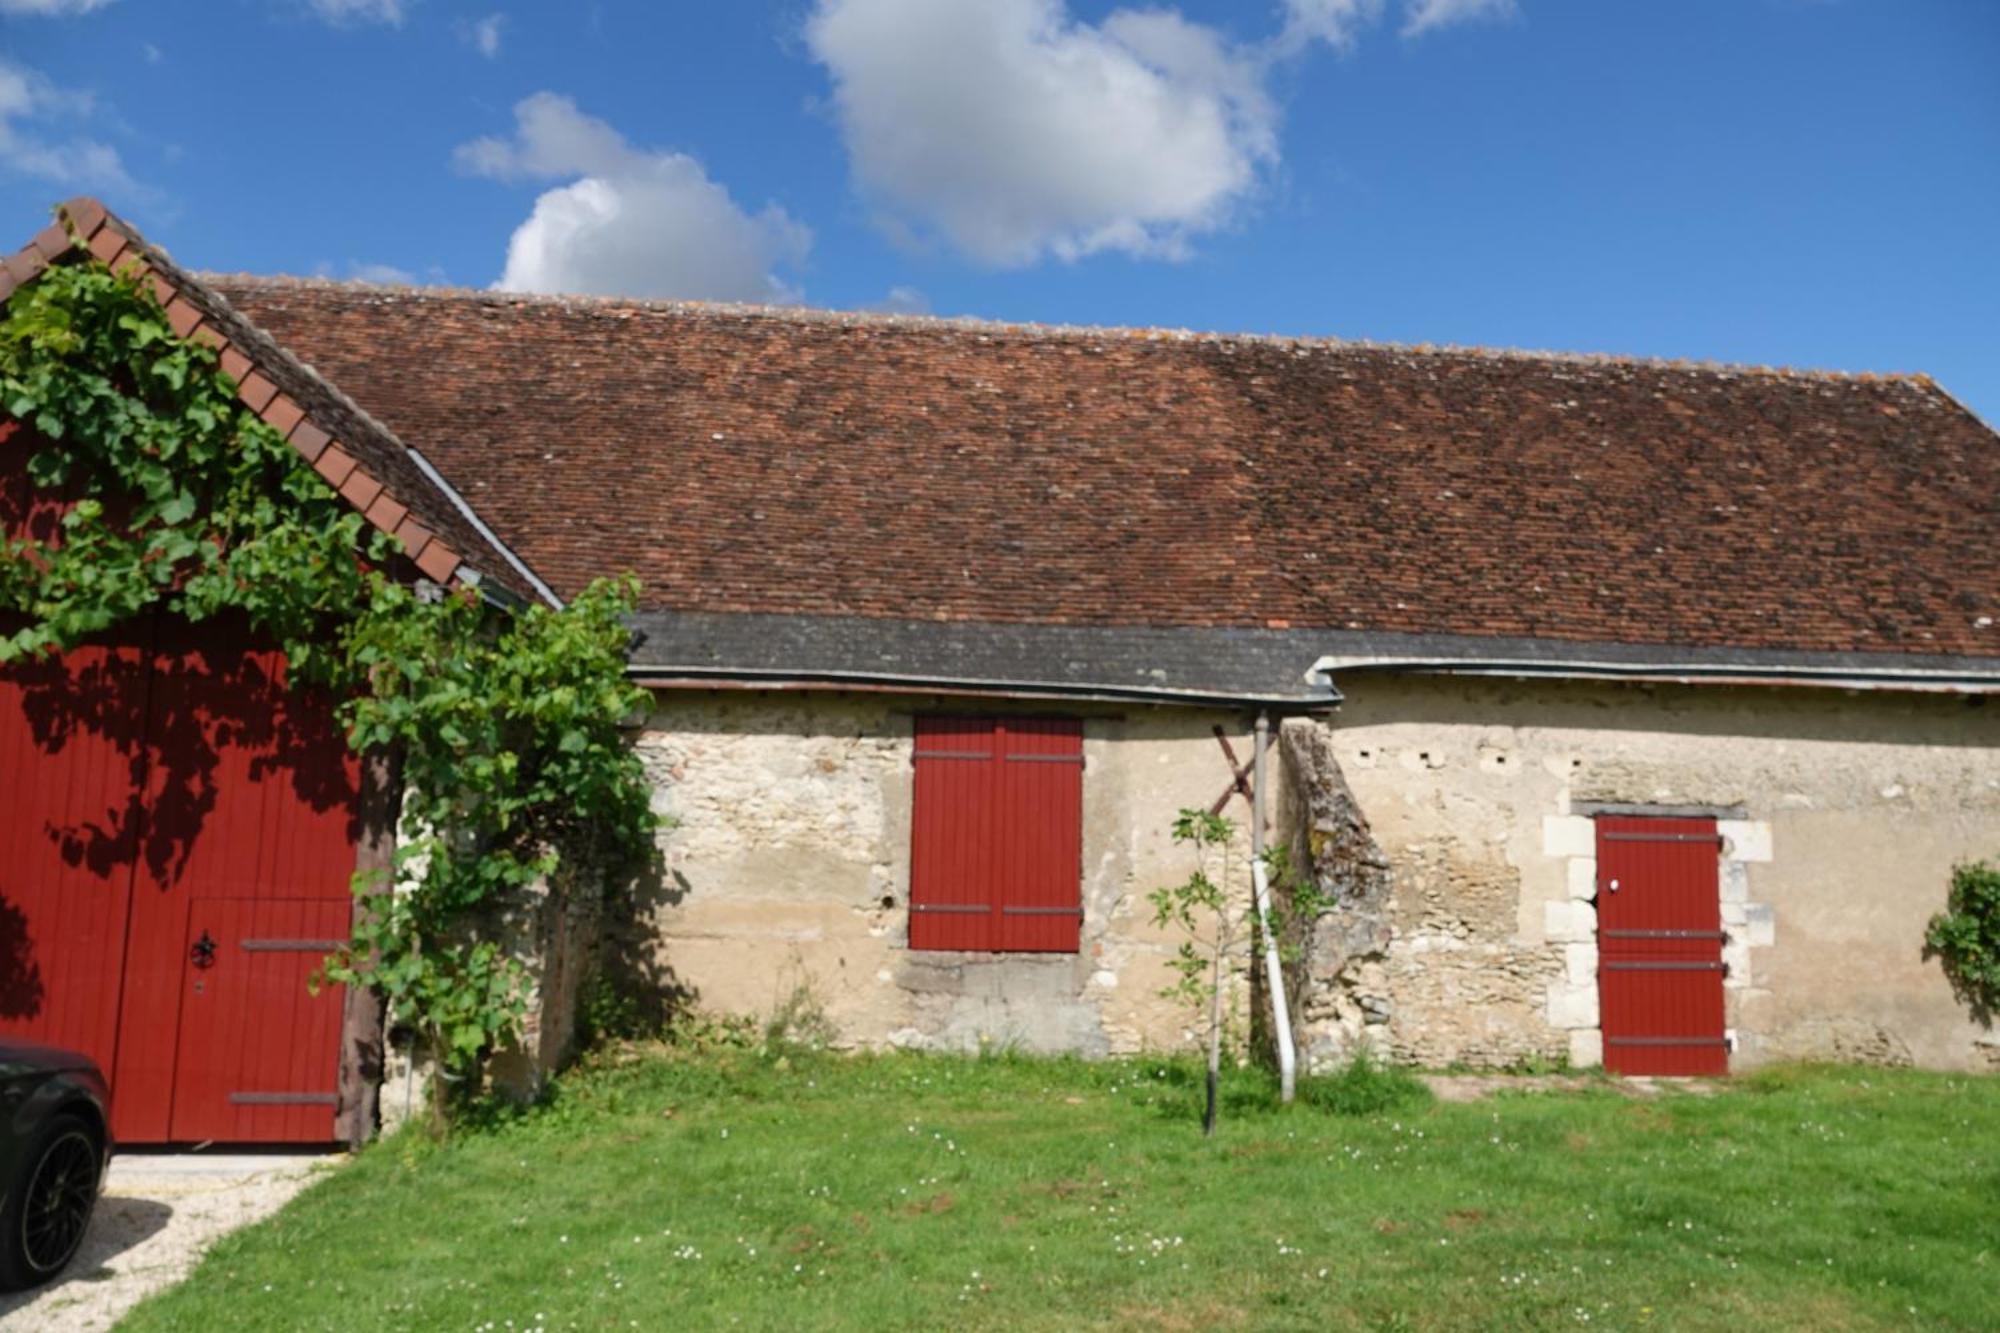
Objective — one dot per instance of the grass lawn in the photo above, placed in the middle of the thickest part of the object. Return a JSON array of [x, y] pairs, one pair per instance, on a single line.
[[662, 1189]]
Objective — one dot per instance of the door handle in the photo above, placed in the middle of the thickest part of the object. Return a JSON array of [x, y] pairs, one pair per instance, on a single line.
[[202, 952]]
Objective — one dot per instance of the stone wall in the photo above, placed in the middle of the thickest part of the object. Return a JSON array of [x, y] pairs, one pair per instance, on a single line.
[[1843, 813], [789, 874], [1468, 812]]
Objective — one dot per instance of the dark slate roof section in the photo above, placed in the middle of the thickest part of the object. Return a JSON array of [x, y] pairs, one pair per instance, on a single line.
[[1210, 665], [1341, 654], [1296, 669]]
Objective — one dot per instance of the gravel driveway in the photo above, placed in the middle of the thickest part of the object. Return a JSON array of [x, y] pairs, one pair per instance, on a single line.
[[159, 1213]]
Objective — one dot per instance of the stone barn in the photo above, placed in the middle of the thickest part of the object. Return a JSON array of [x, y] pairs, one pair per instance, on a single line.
[[1632, 712]]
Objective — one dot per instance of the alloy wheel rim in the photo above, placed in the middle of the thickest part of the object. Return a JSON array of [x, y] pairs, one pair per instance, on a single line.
[[56, 1207]]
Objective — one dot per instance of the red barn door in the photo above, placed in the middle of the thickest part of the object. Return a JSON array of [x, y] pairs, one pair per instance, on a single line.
[[262, 832], [161, 791], [177, 833], [72, 756], [1659, 946]]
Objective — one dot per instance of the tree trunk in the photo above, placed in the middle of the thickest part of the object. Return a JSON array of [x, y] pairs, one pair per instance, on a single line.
[[361, 1036], [1214, 1035]]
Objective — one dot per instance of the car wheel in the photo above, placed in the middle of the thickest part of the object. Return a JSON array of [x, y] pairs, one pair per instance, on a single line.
[[49, 1202]]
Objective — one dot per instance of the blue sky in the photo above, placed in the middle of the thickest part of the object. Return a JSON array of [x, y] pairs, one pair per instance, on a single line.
[[1796, 182]]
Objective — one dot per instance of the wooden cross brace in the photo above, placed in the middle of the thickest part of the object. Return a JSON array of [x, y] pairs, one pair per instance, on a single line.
[[1239, 780]]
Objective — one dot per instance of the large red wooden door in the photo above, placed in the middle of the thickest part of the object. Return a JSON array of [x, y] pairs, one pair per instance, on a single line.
[[260, 839], [72, 753], [1659, 943], [156, 794]]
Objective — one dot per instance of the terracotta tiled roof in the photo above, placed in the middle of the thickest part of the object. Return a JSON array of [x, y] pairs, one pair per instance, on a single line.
[[377, 473], [800, 463]]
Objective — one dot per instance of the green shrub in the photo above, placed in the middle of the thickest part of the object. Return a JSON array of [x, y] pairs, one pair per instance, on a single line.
[[1365, 1086], [1965, 937]]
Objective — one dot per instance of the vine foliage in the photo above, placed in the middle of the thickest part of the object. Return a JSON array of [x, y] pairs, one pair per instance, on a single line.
[[1965, 938], [506, 725]]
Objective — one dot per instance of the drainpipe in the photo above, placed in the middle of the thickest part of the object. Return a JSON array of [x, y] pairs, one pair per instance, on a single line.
[[1260, 879]]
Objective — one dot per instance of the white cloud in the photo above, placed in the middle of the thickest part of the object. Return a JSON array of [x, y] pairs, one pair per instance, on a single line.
[[634, 222], [903, 301], [51, 6], [1335, 22], [483, 35], [1420, 16], [36, 140], [382, 275], [1016, 132], [360, 11]]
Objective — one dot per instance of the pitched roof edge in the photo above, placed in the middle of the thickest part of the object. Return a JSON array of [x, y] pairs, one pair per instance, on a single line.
[[1961, 405], [202, 315], [471, 516], [1032, 331]]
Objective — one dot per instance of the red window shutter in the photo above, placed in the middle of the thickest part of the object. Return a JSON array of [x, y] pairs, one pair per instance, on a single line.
[[1040, 824], [996, 839], [951, 835]]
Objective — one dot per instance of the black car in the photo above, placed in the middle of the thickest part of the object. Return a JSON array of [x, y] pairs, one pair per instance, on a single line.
[[55, 1146]]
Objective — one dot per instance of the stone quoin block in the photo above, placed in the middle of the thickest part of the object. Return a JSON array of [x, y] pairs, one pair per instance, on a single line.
[[1569, 835], [1580, 963], [1745, 839], [1760, 928], [1586, 1048], [1569, 921], [1735, 882], [1573, 1006]]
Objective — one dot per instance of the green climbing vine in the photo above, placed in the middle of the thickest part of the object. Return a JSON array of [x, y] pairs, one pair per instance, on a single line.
[[1965, 938], [506, 725]]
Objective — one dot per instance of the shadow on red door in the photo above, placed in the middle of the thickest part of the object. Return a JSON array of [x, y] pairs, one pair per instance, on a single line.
[[177, 835]]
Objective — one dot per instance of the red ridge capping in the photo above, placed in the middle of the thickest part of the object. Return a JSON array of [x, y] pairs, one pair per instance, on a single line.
[[438, 562], [335, 464], [85, 223], [310, 441], [386, 512], [256, 392], [182, 317], [360, 490], [414, 536], [283, 414]]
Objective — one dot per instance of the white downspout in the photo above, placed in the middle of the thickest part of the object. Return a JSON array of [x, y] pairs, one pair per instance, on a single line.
[[1260, 879]]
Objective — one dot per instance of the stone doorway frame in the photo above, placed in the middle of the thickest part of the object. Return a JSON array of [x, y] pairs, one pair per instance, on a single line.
[[1570, 922]]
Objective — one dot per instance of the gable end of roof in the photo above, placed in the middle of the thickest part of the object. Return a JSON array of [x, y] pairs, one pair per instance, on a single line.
[[385, 480]]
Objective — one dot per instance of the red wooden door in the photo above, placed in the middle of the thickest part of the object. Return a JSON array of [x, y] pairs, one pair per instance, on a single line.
[[72, 755], [1659, 941], [255, 893], [149, 793], [257, 1051], [154, 787]]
